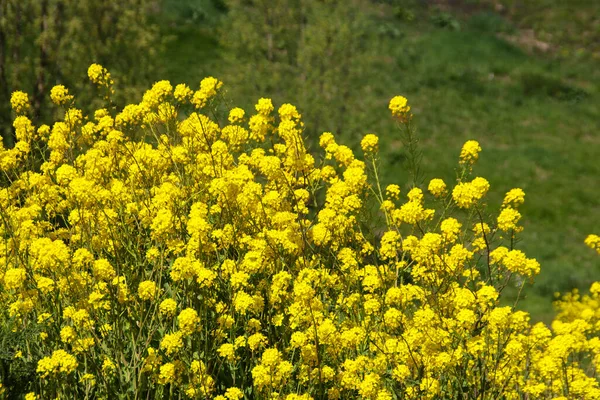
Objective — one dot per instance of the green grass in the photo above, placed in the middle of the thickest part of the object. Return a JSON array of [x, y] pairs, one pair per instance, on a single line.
[[537, 119]]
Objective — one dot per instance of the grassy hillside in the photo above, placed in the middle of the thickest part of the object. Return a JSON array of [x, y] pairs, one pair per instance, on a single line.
[[468, 75]]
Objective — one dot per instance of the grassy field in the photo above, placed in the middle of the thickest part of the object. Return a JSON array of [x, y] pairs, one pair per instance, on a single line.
[[474, 74]]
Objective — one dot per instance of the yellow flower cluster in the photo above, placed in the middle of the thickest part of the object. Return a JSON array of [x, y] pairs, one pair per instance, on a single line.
[[369, 143], [208, 89], [470, 152], [236, 115], [593, 242], [509, 216], [99, 75], [165, 253], [147, 290], [19, 101], [59, 362], [437, 187], [60, 95], [467, 194], [399, 106]]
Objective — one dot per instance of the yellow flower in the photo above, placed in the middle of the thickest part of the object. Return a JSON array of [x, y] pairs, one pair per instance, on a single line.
[[451, 229], [399, 106], [470, 152], [167, 374], [208, 89], [19, 101], [183, 93], [59, 362], [60, 95], [593, 242], [108, 367], [88, 379], [104, 270], [466, 194], [68, 334], [393, 191], [516, 261], [234, 393], [188, 321], [99, 75], [44, 284], [14, 278], [270, 357], [158, 93], [508, 219], [514, 198], [236, 115], [147, 290], [264, 106], [227, 351], [437, 187], [172, 343], [243, 302], [257, 340], [369, 143]]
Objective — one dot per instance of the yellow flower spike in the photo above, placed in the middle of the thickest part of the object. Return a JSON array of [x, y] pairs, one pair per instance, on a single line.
[[370, 143], [43, 132], [234, 393], [171, 343], [227, 351], [168, 307], [399, 106], [393, 191], [99, 75], [188, 321], [288, 112], [514, 198], [14, 278], [19, 101], [437, 187], [59, 362], [157, 94], [60, 96], [470, 152], [236, 115], [593, 242], [466, 194], [264, 106], [168, 374], [183, 93], [508, 219], [208, 89], [146, 290]]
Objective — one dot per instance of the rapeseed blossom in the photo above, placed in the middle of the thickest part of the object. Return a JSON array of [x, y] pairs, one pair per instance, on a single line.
[[161, 251], [470, 152], [147, 290], [59, 95], [369, 143], [399, 106], [99, 75], [437, 187], [19, 101]]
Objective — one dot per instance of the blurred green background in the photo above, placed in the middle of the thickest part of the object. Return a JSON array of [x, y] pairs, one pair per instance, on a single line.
[[520, 76]]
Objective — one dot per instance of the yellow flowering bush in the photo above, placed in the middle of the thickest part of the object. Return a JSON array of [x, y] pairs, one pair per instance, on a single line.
[[176, 249]]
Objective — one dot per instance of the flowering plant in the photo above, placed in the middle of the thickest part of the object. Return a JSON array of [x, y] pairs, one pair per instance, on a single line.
[[161, 252]]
